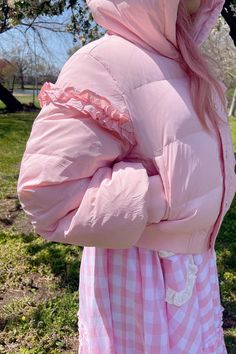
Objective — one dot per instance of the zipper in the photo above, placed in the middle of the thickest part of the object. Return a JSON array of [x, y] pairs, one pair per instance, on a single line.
[[219, 220]]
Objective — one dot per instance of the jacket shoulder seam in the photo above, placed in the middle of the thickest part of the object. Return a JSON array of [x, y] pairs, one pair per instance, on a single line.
[[122, 93], [107, 69]]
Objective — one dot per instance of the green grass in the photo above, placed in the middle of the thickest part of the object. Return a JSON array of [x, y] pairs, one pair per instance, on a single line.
[[14, 130], [233, 131], [42, 281], [27, 86], [39, 280]]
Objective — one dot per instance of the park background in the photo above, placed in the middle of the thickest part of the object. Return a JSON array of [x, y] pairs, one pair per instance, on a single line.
[[39, 280]]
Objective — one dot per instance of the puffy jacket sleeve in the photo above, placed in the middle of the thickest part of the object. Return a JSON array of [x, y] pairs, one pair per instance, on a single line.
[[74, 183]]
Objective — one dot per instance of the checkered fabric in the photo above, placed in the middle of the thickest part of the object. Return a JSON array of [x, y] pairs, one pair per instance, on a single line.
[[139, 301]]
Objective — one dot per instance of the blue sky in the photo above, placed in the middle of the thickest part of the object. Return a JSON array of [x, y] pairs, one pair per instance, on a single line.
[[57, 43]]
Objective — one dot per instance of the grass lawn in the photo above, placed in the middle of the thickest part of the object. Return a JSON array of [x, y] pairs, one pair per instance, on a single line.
[[233, 131], [39, 280], [27, 86], [23, 99]]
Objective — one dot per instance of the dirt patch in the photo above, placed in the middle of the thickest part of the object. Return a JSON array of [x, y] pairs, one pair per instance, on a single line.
[[36, 290], [12, 215]]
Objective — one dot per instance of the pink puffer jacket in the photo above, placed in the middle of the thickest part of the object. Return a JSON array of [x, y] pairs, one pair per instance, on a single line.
[[117, 156]]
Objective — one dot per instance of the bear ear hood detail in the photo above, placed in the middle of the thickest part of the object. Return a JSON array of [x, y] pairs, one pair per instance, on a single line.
[[152, 23]]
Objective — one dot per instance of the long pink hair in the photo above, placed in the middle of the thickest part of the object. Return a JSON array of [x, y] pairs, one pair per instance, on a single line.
[[203, 84]]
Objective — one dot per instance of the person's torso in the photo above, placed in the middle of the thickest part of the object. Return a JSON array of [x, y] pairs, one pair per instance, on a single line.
[[197, 169]]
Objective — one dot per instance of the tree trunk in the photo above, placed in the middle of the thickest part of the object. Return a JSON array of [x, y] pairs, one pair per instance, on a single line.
[[22, 80], [10, 101], [229, 16]]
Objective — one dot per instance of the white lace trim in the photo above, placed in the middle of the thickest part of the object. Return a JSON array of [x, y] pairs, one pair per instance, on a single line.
[[164, 254], [178, 298], [83, 335], [214, 254]]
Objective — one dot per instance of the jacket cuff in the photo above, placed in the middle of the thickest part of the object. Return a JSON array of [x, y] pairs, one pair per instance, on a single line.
[[156, 200]]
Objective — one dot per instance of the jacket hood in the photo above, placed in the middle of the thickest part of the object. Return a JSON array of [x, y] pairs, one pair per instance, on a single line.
[[152, 23]]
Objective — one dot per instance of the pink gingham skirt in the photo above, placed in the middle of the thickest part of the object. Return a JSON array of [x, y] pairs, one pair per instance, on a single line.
[[140, 301]]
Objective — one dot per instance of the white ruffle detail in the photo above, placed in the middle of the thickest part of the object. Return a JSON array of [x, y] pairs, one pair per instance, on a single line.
[[214, 254], [165, 254], [178, 298], [83, 335]]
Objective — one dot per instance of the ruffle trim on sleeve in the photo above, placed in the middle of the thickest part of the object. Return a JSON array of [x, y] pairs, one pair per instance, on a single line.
[[89, 103]]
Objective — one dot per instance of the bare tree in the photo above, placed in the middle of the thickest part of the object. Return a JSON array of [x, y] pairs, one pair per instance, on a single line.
[[220, 47], [42, 15], [229, 14], [7, 72], [20, 57]]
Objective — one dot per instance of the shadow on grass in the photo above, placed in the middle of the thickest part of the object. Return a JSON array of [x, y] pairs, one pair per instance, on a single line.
[[226, 260], [63, 261], [226, 245], [230, 342]]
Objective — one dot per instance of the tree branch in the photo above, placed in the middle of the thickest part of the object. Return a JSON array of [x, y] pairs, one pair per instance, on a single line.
[[230, 17]]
